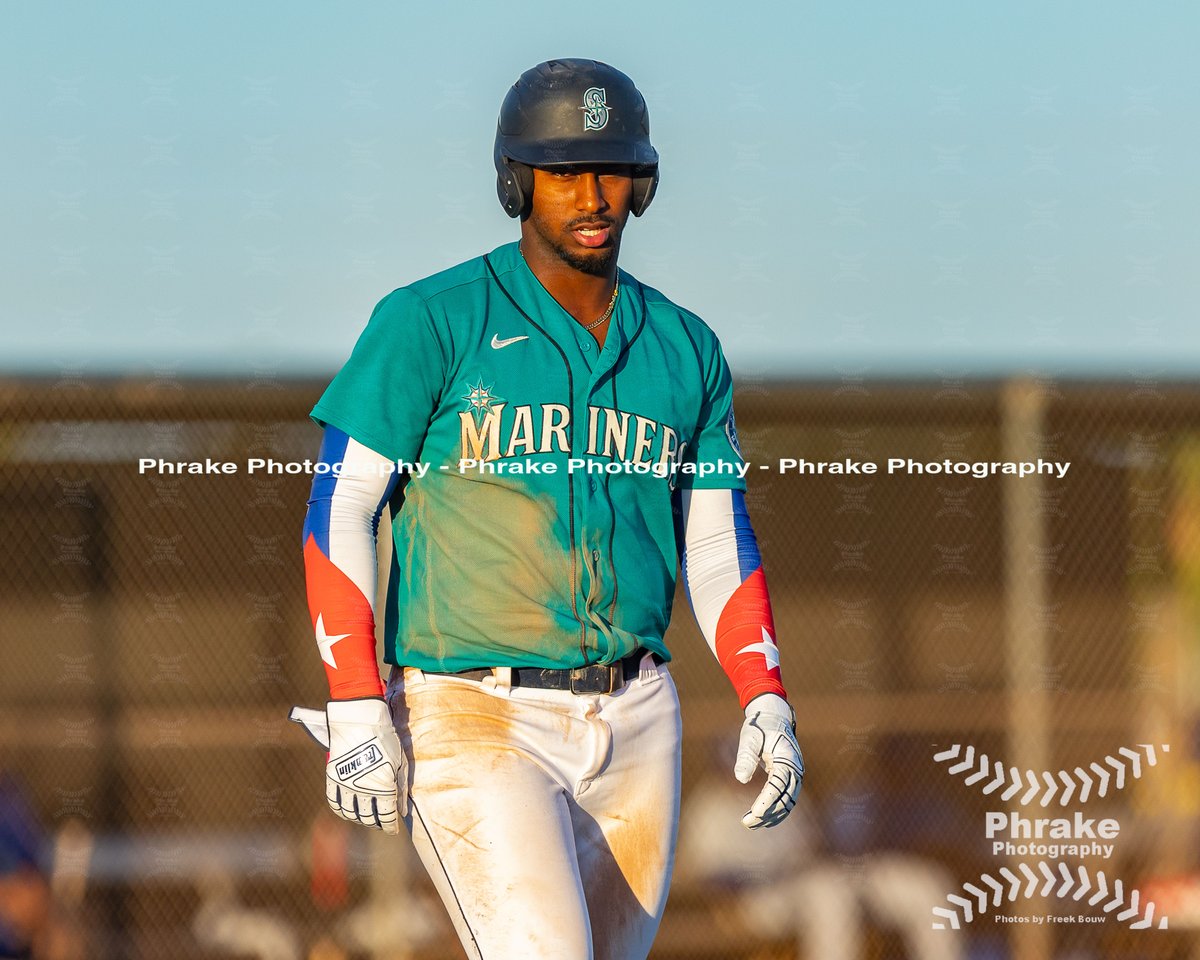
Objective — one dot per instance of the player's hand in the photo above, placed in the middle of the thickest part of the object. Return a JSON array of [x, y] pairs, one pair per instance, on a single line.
[[769, 740], [366, 778]]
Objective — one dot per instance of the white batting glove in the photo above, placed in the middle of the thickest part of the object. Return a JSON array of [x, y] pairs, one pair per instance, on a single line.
[[768, 740], [366, 778]]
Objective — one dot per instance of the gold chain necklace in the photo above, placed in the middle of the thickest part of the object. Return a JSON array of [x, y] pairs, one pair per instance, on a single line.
[[607, 313], [611, 303]]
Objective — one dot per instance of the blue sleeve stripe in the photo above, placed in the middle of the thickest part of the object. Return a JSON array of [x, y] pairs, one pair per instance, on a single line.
[[316, 522], [749, 559]]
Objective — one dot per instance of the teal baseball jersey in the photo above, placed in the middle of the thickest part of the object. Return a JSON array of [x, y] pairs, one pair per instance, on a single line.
[[537, 525]]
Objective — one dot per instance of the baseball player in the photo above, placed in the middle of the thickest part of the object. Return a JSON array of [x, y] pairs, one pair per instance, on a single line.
[[552, 437]]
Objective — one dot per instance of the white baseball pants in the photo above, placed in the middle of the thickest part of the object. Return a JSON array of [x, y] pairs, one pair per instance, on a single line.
[[546, 820]]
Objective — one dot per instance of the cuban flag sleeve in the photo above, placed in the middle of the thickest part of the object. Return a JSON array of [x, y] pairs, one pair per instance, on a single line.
[[723, 575], [348, 496]]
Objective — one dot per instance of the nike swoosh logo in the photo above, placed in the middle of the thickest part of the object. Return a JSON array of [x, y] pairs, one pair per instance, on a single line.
[[498, 344]]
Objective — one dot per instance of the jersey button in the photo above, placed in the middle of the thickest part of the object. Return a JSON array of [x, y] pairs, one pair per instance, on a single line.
[[592, 484], [587, 345]]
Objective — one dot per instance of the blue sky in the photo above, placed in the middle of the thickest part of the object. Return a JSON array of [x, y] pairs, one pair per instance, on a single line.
[[877, 189]]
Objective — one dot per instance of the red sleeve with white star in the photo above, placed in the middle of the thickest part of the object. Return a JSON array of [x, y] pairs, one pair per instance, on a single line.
[[351, 487], [723, 575]]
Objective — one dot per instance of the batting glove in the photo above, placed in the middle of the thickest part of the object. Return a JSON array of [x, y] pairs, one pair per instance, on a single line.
[[366, 778], [768, 740]]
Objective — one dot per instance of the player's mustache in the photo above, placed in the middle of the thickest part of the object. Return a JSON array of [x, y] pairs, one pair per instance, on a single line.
[[591, 222]]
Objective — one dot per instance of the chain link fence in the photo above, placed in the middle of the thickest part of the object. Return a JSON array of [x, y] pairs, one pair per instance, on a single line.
[[945, 637]]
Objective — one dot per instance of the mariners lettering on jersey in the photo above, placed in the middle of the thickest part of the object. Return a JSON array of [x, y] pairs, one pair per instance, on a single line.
[[492, 429]]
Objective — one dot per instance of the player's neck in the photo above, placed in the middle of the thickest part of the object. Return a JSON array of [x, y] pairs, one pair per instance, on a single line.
[[584, 296]]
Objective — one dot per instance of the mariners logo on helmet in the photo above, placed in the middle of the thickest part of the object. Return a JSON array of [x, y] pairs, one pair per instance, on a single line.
[[595, 110]]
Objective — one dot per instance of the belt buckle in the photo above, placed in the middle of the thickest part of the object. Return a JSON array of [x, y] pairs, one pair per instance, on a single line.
[[595, 678]]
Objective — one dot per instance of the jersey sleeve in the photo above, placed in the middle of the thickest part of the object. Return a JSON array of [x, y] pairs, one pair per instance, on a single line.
[[715, 444], [385, 394]]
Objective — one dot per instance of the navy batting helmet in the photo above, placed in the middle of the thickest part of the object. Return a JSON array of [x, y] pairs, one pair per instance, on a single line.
[[565, 112]]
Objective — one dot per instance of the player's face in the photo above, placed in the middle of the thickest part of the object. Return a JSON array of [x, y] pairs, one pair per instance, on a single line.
[[579, 212]]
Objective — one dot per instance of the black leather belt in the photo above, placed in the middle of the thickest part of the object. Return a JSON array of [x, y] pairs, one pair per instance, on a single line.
[[595, 678]]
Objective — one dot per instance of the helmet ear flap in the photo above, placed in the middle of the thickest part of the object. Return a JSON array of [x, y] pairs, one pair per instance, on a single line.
[[514, 187], [644, 187]]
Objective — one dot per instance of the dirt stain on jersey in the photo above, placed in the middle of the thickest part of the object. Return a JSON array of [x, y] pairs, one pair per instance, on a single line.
[[485, 566]]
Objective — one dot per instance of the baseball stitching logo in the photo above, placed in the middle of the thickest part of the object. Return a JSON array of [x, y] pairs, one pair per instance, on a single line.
[[1010, 784], [595, 110], [975, 902], [1030, 783]]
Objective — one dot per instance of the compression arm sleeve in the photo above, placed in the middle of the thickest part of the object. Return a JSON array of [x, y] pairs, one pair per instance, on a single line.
[[723, 575], [348, 496]]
